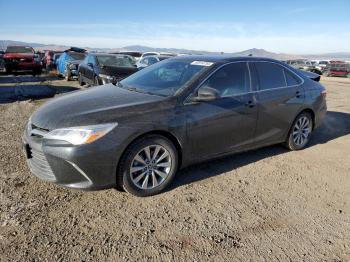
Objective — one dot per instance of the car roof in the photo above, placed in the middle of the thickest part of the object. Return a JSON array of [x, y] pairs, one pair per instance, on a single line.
[[108, 54], [222, 58]]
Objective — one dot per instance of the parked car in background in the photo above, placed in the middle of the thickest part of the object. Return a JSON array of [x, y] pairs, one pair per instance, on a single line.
[[99, 68], [134, 54], [2, 63], [305, 65], [22, 58], [55, 58], [67, 64], [150, 60], [337, 68], [157, 54], [48, 61], [323, 64], [137, 134]]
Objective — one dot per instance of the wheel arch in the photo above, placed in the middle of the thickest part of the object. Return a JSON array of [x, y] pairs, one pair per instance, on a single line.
[[167, 134], [311, 112]]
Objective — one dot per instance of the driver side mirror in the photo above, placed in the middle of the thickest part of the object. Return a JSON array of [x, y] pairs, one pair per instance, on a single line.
[[205, 94], [90, 65]]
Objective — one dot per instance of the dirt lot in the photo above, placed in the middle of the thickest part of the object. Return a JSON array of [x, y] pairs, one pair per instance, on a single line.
[[264, 205]]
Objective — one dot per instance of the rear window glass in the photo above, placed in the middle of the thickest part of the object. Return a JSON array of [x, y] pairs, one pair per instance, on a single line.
[[270, 75]]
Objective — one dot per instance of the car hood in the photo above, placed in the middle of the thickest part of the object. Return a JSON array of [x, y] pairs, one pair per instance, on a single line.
[[101, 104], [18, 55], [74, 62]]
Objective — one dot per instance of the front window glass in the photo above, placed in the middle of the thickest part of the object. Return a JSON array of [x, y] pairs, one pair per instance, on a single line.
[[232, 79], [163, 78]]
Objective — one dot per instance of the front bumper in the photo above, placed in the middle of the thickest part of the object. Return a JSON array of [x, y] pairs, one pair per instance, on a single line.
[[88, 167], [23, 66]]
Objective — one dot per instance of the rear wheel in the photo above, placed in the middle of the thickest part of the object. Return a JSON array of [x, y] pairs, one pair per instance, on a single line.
[[300, 132], [148, 166]]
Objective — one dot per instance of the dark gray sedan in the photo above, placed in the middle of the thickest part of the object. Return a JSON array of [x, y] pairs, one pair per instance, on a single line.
[[135, 135]]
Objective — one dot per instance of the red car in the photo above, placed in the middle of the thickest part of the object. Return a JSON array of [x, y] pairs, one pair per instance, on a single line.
[[337, 68], [22, 58]]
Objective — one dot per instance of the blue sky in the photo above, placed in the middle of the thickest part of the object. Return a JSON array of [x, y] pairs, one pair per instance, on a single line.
[[297, 26]]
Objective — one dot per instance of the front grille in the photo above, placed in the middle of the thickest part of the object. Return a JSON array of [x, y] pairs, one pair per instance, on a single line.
[[39, 166]]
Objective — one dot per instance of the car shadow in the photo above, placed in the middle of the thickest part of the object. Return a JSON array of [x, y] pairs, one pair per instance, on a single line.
[[336, 124], [9, 94], [25, 78]]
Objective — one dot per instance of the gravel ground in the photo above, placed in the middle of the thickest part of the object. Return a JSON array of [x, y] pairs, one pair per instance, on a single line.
[[263, 205]]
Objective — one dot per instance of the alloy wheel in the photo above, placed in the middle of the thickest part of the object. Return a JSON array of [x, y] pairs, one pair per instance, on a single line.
[[150, 167], [301, 131]]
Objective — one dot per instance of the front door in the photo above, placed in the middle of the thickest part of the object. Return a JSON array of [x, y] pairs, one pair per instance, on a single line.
[[228, 123]]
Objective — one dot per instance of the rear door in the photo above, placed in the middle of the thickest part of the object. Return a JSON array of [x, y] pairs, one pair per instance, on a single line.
[[228, 123], [279, 98]]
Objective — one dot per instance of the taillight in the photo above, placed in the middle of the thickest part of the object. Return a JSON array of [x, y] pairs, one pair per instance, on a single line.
[[324, 93]]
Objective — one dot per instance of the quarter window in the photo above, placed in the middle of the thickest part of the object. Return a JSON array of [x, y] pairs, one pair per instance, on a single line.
[[291, 79], [270, 75], [232, 79]]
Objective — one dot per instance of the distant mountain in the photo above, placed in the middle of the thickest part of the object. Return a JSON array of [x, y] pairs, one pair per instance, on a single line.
[[264, 53], [140, 48]]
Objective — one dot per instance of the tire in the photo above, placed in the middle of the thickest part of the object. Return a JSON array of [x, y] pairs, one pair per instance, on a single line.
[[96, 81], [67, 75], [81, 83], [36, 72], [8, 71], [148, 178], [304, 134]]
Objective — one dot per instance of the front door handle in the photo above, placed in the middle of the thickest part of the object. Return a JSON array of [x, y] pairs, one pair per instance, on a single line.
[[297, 94], [250, 104]]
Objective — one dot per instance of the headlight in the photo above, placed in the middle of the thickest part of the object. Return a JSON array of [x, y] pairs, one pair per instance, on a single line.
[[82, 134], [106, 76]]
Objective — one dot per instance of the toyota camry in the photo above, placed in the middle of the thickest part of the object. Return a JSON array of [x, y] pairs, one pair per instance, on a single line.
[[135, 135]]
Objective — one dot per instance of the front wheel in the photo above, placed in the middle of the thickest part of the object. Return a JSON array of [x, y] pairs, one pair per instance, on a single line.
[[300, 132], [96, 81], [80, 80], [148, 166], [68, 75]]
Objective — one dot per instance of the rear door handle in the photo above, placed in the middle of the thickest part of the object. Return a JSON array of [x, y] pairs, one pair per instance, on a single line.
[[250, 104], [297, 94]]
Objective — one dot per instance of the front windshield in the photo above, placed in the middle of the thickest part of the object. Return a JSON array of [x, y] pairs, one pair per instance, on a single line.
[[117, 61], [19, 49], [164, 78], [77, 56]]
